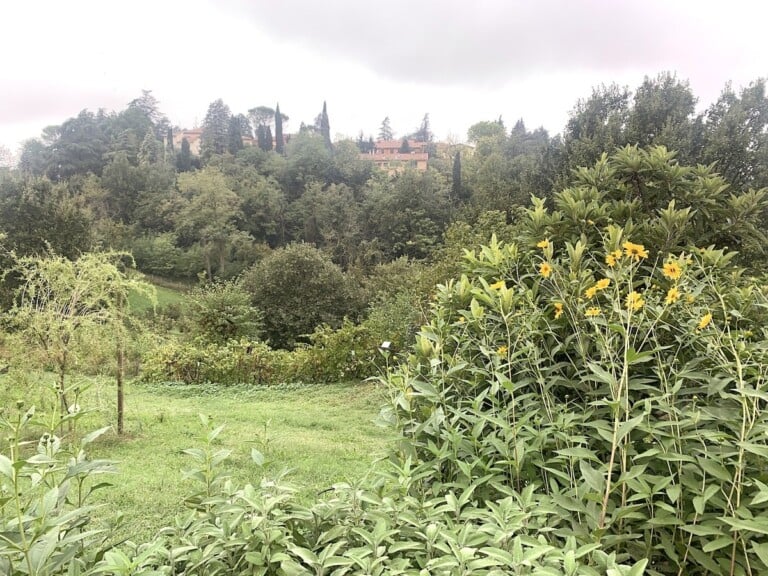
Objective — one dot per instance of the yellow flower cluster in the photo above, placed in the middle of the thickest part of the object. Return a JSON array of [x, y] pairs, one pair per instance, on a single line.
[[705, 321], [498, 285], [545, 269], [502, 351], [599, 285], [613, 257], [544, 244], [558, 310], [592, 311]]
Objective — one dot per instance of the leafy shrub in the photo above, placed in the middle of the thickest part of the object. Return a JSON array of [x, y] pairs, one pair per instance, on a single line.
[[160, 255], [45, 490], [347, 353], [622, 390], [197, 362], [298, 288], [657, 201], [222, 311]]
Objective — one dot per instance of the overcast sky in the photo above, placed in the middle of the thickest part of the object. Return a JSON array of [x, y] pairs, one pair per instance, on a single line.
[[461, 61]]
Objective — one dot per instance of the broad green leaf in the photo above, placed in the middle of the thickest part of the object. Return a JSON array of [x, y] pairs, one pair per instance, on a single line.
[[759, 525], [762, 552], [628, 426], [717, 544], [595, 480]]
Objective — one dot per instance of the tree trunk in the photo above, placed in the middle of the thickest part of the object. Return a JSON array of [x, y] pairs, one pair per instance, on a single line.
[[120, 389], [62, 392]]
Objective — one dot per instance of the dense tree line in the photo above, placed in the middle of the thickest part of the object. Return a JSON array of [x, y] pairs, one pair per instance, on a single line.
[[117, 180]]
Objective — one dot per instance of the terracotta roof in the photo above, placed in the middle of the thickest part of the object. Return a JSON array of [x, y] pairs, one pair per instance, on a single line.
[[386, 144]]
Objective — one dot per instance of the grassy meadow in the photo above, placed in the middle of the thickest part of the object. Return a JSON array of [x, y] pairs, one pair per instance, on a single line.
[[321, 435]]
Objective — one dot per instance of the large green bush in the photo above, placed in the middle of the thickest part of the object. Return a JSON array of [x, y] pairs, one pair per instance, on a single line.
[[298, 288], [621, 388]]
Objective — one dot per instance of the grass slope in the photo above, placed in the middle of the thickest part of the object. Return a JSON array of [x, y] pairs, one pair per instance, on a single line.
[[165, 296], [323, 435]]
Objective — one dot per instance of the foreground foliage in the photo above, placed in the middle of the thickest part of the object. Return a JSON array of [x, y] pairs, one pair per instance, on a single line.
[[622, 390]]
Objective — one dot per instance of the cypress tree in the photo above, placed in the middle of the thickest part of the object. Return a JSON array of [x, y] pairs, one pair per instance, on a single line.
[[214, 139], [325, 128], [184, 161], [279, 142], [268, 140], [261, 137], [235, 136], [169, 141], [457, 189]]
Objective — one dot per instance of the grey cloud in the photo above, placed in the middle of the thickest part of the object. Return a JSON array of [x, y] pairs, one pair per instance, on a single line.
[[483, 41]]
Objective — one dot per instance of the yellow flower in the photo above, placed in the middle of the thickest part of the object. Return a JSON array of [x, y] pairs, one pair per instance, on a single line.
[[634, 301], [672, 295], [635, 251], [502, 350], [603, 284], [558, 310], [590, 292], [592, 311], [544, 244], [672, 270], [690, 298], [462, 319], [498, 285], [705, 320], [545, 269], [613, 257]]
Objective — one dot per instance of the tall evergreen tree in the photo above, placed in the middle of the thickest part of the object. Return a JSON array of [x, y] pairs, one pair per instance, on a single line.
[[423, 134], [385, 130], [261, 137], [268, 140], [405, 146], [215, 136], [457, 190], [235, 135], [150, 150], [184, 161], [325, 128], [279, 142], [169, 141]]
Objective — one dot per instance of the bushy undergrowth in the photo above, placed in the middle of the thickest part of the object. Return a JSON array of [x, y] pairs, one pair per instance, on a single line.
[[347, 353], [199, 361]]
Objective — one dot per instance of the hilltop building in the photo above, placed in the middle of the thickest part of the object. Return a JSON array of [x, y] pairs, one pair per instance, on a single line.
[[193, 137], [386, 155]]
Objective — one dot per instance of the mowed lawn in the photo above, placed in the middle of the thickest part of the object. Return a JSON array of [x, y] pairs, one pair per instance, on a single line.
[[320, 434]]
